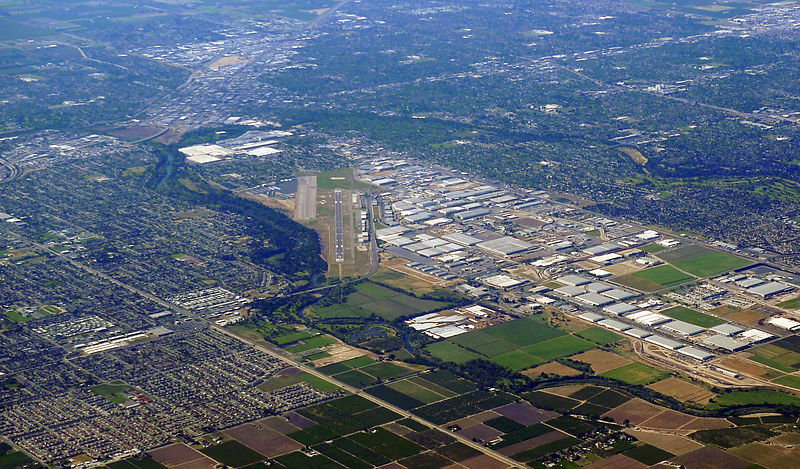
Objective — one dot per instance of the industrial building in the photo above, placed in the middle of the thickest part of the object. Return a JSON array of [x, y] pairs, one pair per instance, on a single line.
[[505, 246], [695, 353], [682, 328], [662, 341], [768, 290], [620, 308], [573, 280], [593, 299], [725, 342], [727, 329], [614, 325]]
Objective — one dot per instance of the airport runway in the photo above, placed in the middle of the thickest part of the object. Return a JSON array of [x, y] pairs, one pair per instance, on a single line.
[[305, 208], [339, 226]]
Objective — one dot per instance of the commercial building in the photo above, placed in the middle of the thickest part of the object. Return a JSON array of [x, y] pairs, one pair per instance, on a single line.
[[574, 280]]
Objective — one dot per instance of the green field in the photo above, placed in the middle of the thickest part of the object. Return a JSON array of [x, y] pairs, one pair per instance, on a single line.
[[278, 382], [291, 337], [542, 352], [648, 454], [651, 248], [450, 352], [789, 380], [600, 335], [505, 337], [17, 317], [417, 391], [777, 357], [371, 298], [654, 278], [364, 371], [636, 373], [312, 343], [340, 179], [702, 261], [692, 316], [232, 453], [116, 391], [755, 397], [791, 304]]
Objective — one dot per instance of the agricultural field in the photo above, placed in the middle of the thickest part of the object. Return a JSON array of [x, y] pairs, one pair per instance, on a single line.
[[654, 278], [790, 304], [411, 392], [232, 453], [542, 352], [693, 317], [364, 371], [756, 397], [291, 376], [777, 357], [636, 373], [602, 361], [682, 390], [371, 298], [702, 261], [517, 344], [600, 335]]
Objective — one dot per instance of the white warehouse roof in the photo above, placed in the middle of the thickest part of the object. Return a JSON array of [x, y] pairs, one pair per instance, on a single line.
[[664, 342]]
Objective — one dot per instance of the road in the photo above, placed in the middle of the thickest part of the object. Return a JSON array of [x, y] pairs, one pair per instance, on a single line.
[[351, 389]]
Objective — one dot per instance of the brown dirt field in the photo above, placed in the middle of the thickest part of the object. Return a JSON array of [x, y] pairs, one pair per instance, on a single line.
[[524, 413], [634, 154], [473, 420], [710, 457], [618, 461], [279, 424], [675, 444], [531, 443], [339, 353], [601, 360], [565, 391], [481, 432], [682, 390], [748, 316], [706, 423], [202, 463], [623, 268], [175, 454], [298, 420], [787, 439], [286, 206], [135, 132], [775, 456], [228, 60], [635, 411], [745, 367], [551, 368], [669, 419], [266, 441], [398, 429], [484, 462], [416, 274]]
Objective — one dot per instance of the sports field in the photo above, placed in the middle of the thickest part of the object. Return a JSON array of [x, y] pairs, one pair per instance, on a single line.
[[702, 261], [654, 278]]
